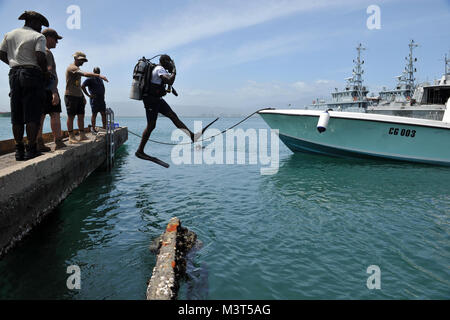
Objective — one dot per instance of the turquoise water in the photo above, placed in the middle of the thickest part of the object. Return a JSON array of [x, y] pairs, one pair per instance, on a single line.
[[308, 232]]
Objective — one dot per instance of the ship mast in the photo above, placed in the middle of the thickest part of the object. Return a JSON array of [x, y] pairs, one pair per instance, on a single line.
[[357, 80], [447, 67], [409, 69]]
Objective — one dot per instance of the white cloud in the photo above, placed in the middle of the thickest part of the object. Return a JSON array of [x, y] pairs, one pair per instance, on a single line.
[[203, 19], [299, 85], [198, 20]]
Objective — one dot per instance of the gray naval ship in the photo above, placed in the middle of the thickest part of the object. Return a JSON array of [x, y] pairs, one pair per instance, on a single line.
[[407, 99], [354, 95]]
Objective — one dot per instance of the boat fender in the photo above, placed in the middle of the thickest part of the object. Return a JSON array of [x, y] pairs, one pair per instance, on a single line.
[[446, 117], [323, 121]]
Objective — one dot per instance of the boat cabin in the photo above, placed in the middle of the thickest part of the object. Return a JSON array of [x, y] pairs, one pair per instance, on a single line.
[[435, 94]]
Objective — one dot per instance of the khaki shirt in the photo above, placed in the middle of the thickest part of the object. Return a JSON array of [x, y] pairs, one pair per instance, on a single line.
[[52, 69], [73, 81], [21, 45]]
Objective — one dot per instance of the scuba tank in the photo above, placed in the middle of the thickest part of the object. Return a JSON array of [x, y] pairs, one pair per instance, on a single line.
[[139, 79], [141, 84]]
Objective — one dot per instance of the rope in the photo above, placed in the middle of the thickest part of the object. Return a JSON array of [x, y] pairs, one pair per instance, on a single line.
[[204, 139]]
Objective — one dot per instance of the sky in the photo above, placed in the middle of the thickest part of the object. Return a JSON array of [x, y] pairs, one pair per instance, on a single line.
[[234, 57]]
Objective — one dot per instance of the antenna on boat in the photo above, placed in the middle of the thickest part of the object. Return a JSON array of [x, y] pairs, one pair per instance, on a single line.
[[446, 77], [447, 67], [410, 69], [358, 71]]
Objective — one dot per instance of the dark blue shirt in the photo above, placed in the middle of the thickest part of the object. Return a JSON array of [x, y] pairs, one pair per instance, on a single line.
[[95, 86]]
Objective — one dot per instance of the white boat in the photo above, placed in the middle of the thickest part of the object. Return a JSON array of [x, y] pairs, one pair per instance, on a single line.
[[356, 134]]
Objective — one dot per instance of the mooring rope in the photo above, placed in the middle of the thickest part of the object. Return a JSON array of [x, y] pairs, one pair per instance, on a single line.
[[203, 139]]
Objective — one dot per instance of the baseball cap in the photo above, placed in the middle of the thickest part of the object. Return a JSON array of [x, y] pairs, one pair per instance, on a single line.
[[80, 56], [51, 33]]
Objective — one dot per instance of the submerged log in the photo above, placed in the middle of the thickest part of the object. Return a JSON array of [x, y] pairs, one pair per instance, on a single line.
[[171, 249]]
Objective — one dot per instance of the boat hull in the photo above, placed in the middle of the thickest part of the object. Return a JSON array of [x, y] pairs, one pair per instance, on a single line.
[[361, 135]]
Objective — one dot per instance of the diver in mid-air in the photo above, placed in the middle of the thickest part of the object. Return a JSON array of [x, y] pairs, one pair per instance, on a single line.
[[158, 82]]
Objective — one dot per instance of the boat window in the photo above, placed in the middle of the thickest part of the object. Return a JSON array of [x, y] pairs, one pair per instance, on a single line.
[[437, 95]]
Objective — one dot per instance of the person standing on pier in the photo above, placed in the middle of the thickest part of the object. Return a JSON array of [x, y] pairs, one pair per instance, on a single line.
[[97, 97], [52, 103], [74, 98], [23, 49]]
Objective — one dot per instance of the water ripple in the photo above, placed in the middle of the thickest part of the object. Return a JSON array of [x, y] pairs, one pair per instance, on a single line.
[[308, 232]]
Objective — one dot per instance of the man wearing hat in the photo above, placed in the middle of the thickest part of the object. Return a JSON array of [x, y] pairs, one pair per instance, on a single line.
[[74, 98], [23, 49], [52, 103]]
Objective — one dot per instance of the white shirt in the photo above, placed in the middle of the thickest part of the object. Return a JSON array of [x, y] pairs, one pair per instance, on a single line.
[[21, 45], [157, 72]]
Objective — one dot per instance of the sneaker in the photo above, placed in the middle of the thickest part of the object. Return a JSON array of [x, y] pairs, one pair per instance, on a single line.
[[31, 152], [59, 144], [83, 136], [20, 152], [72, 139], [41, 146]]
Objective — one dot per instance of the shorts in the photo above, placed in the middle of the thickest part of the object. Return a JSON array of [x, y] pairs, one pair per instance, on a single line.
[[153, 106], [74, 105], [27, 95], [48, 106], [98, 105]]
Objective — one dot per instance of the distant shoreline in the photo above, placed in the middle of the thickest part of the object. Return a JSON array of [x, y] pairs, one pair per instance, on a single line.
[[191, 116], [8, 115]]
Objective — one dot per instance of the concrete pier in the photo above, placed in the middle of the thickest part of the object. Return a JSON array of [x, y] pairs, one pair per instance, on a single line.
[[171, 248], [29, 190]]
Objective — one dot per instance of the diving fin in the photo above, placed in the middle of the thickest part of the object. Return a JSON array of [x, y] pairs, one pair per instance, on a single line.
[[144, 156], [199, 134]]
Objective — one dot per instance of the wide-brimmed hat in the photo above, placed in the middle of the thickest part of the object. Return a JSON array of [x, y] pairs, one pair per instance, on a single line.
[[80, 56], [51, 33], [33, 15]]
